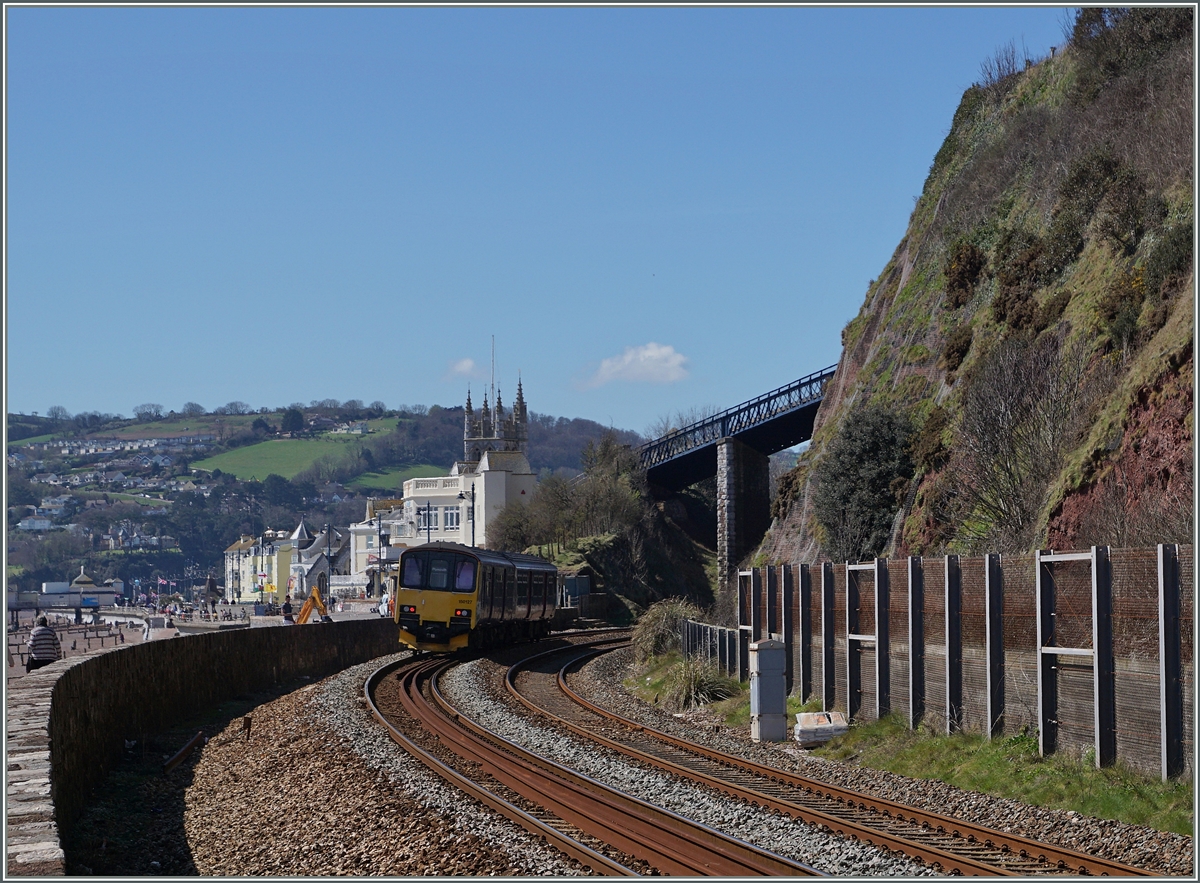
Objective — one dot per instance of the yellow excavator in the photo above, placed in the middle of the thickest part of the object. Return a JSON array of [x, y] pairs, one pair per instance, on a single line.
[[314, 602]]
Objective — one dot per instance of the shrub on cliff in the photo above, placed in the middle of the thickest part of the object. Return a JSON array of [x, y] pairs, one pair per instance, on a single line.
[[858, 482]]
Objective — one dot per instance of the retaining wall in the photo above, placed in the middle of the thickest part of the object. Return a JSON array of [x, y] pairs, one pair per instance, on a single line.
[[1090, 650], [67, 723]]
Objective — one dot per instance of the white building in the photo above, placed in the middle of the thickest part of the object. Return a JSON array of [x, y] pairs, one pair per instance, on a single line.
[[458, 507]]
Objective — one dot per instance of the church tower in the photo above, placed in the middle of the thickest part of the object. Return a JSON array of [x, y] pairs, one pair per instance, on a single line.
[[493, 429]]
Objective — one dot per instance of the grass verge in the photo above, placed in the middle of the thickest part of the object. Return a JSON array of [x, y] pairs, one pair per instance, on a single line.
[[1005, 767], [1011, 767]]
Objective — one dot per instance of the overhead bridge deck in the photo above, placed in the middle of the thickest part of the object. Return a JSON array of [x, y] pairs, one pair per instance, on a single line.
[[772, 422]]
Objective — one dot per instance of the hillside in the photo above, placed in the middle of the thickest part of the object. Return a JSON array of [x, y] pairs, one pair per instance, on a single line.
[[1020, 375]]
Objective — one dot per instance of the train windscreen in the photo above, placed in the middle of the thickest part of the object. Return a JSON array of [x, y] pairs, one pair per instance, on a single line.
[[437, 570]]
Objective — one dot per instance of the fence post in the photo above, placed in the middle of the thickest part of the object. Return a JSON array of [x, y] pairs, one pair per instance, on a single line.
[[804, 631], [883, 643], [1170, 673], [756, 593], [853, 659], [953, 644], [916, 641], [828, 645], [787, 633], [1103, 679], [1047, 683], [744, 642], [993, 580], [771, 625]]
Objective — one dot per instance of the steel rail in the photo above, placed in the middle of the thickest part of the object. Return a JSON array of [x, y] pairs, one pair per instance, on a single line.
[[671, 843], [1019, 847], [565, 844]]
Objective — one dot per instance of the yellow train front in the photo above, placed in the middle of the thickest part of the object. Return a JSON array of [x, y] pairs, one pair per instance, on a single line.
[[452, 596]]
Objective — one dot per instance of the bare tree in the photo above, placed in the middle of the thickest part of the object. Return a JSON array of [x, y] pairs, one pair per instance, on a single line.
[[1000, 66], [192, 409], [1025, 408], [147, 412], [668, 423], [58, 413]]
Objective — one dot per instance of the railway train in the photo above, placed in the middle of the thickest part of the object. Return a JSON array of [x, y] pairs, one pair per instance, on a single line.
[[451, 596]]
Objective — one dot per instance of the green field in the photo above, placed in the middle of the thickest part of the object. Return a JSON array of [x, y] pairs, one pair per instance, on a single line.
[[33, 439], [392, 478], [286, 456]]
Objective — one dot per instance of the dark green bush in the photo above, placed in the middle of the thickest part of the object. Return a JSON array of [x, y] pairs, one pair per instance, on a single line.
[[1051, 311], [958, 344], [963, 267], [855, 482], [1115, 40], [1171, 258], [928, 450], [1119, 307]]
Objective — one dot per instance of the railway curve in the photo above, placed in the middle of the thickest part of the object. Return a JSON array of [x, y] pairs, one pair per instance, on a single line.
[[951, 845], [660, 840]]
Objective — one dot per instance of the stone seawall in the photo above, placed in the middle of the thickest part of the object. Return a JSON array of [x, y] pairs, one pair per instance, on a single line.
[[67, 723]]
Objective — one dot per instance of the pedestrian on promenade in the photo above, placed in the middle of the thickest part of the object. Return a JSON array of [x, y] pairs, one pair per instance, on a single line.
[[43, 645], [287, 609]]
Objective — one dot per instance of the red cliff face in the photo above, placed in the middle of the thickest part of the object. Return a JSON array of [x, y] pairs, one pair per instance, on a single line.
[[1145, 494]]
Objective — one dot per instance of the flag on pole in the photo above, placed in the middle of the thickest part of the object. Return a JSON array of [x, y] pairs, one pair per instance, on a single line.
[[172, 583], [161, 581]]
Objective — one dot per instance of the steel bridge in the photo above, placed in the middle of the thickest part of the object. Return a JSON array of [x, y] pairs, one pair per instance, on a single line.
[[772, 422]]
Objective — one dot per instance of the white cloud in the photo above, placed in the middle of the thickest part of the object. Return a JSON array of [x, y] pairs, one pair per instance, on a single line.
[[461, 368], [649, 363]]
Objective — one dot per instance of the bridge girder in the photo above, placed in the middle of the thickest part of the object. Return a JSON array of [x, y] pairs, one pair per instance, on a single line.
[[773, 422]]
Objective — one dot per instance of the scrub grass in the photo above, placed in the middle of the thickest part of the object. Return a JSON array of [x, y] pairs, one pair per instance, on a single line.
[[1008, 766], [1011, 767]]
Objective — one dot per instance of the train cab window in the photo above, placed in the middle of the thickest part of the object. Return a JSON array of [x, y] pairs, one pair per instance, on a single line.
[[412, 575], [438, 571], [464, 579], [539, 589]]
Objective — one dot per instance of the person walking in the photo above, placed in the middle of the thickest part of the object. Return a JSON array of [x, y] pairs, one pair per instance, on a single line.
[[43, 645]]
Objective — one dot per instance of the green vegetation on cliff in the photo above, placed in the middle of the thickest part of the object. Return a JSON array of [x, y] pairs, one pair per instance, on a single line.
[[1034, 317]]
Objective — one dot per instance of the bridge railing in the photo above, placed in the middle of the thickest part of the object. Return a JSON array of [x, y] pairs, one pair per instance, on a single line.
[[736, 419]]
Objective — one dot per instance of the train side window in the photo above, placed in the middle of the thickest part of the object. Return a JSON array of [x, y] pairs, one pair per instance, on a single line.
[[411, 577], [522, 590], [539, 588], [464, 579]]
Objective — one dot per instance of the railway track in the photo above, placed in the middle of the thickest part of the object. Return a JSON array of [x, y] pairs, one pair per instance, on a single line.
[[603, 829], [540, 683]]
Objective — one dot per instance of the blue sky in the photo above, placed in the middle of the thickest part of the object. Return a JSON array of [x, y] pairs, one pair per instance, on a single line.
[[653, 210]]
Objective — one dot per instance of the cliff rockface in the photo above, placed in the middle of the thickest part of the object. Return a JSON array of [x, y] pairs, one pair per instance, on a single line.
[[1034, 327]]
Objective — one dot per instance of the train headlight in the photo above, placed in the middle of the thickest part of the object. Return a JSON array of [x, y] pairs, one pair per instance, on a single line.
[[408, 609], [462, 612]]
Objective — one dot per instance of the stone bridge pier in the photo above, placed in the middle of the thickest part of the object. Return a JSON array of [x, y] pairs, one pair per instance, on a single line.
[[743, 503]]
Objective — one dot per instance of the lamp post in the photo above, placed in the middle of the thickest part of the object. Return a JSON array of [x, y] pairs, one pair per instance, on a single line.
[[470, 512], [328, 564], [428, 521], [379, 553]]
